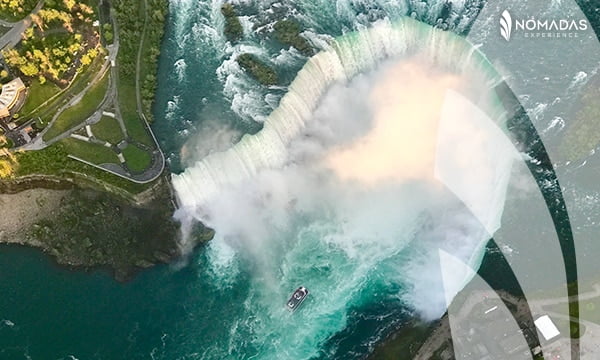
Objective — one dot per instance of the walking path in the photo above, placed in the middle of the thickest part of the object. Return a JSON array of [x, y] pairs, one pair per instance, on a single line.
[[13, 36], [158, 158], [110, 104]]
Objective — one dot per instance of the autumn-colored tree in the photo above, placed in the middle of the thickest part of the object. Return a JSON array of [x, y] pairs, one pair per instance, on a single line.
[[29, 69], [86, 9], [8, 161], [13, 58], [28, 33], [69, 4], [15, 6], [52, 15], [86, 60]]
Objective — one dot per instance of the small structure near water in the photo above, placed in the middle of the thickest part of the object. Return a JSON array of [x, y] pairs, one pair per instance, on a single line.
[[546, 326]]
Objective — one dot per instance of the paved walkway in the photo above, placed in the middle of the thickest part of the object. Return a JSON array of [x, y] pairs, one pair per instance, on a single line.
[[14, 35], [110, 103]]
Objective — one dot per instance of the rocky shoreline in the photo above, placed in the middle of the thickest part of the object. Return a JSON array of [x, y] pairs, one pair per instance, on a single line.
[[21, 210], [87, 228]]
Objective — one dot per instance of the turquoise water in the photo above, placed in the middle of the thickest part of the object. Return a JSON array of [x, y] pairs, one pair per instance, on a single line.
[[48, 312], [216, 305], [367, 255], [201, 86]]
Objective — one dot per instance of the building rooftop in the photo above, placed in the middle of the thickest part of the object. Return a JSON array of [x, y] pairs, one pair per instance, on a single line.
[[9, 95], [546, 326]]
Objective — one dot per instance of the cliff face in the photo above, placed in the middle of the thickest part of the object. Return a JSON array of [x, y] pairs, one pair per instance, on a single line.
[[88, 228]]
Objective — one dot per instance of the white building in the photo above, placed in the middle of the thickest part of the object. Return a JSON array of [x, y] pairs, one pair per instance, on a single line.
[[546, 327]]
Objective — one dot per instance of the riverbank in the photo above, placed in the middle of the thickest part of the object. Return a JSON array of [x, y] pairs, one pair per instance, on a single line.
[[84, 216], [19, 211], [88, 228], [85, 226]]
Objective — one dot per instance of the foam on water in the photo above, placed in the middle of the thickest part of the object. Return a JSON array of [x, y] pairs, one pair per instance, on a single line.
[[350, 55], [247, 99], [180, 68], [283, 220]]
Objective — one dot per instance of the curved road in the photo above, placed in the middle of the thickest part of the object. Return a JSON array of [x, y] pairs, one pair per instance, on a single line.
[[111, 99], [14, 35]]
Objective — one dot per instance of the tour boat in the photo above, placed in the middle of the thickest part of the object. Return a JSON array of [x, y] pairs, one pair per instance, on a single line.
[[297, 298]]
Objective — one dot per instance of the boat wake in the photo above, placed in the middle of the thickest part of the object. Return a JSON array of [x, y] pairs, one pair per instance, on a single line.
[[342, 191]]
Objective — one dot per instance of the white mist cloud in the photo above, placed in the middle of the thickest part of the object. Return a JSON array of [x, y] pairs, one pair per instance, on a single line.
[[407, 103], [212, 137], [356, 190]]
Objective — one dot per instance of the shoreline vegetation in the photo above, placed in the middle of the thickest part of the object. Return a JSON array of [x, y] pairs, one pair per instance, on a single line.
[[287, 32], [141, 26], [82, 226], [81, 215], [263, 73], [233, 29], [88, 229]]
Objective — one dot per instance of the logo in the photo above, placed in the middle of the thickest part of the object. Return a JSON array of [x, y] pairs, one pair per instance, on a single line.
[[506, 25], [532, 27]]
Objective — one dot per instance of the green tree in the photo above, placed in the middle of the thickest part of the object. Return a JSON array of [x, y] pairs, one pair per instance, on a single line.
[[233, 28], [108, 36]]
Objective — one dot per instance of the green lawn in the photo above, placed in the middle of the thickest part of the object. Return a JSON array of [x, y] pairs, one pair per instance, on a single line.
[[79, 112], [565, 327], [37, 95], [108, 129], [47, 111], [53, 160], [137, 159], [94, 153], [135, 128]]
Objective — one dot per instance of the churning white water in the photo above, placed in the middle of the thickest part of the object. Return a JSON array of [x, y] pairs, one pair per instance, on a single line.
[[386, 148]]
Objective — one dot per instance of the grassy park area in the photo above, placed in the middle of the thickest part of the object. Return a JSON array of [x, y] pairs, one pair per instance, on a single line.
[[47, 111], [54, 161], [94, 153], [567, 327], [108, 129], [77, 113], [38, 93], [59, 59], [588, 309], [137, 159], [134, 124]]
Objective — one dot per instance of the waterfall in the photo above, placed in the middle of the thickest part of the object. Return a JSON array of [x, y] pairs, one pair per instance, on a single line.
[[289, 209], [348, 56]]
